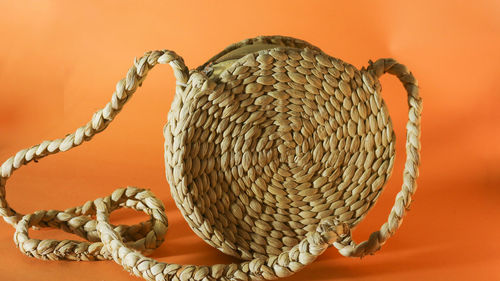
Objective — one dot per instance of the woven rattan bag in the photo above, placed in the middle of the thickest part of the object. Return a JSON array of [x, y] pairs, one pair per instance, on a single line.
[[274, 151]]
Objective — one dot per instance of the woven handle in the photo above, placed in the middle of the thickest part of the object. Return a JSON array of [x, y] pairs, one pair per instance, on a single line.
[[144, 236], [410, 174]]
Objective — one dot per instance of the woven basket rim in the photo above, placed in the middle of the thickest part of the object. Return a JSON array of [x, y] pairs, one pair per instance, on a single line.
[[285, 41]]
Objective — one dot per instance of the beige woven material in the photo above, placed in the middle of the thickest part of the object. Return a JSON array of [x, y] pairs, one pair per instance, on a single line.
[[273, 150]]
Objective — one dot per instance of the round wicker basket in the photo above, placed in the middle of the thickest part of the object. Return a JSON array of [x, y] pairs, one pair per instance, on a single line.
[[259, 150]]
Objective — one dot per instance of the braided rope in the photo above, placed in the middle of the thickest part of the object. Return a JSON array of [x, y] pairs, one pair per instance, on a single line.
[[272, 267], [144, 236], [410, 174]]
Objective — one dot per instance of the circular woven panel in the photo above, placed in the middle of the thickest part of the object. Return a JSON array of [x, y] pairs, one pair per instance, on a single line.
[[258, 155]]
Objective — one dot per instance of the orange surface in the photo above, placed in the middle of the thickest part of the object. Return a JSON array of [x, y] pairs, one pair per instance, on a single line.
[[59, 62]]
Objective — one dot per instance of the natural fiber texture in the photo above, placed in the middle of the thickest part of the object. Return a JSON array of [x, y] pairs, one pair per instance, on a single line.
[[273, 151], [281, 139]]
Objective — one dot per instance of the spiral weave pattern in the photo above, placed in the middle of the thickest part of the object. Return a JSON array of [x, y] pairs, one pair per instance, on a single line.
[[282, 139]]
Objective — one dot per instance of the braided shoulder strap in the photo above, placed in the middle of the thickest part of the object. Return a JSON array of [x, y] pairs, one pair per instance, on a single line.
[[122, 243], [144, 236], [410, 173]]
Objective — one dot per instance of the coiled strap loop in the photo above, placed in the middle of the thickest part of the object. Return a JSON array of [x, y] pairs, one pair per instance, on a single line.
[[410, 174]]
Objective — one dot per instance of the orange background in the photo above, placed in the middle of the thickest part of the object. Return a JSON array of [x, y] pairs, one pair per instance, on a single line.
[[59, 62]]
